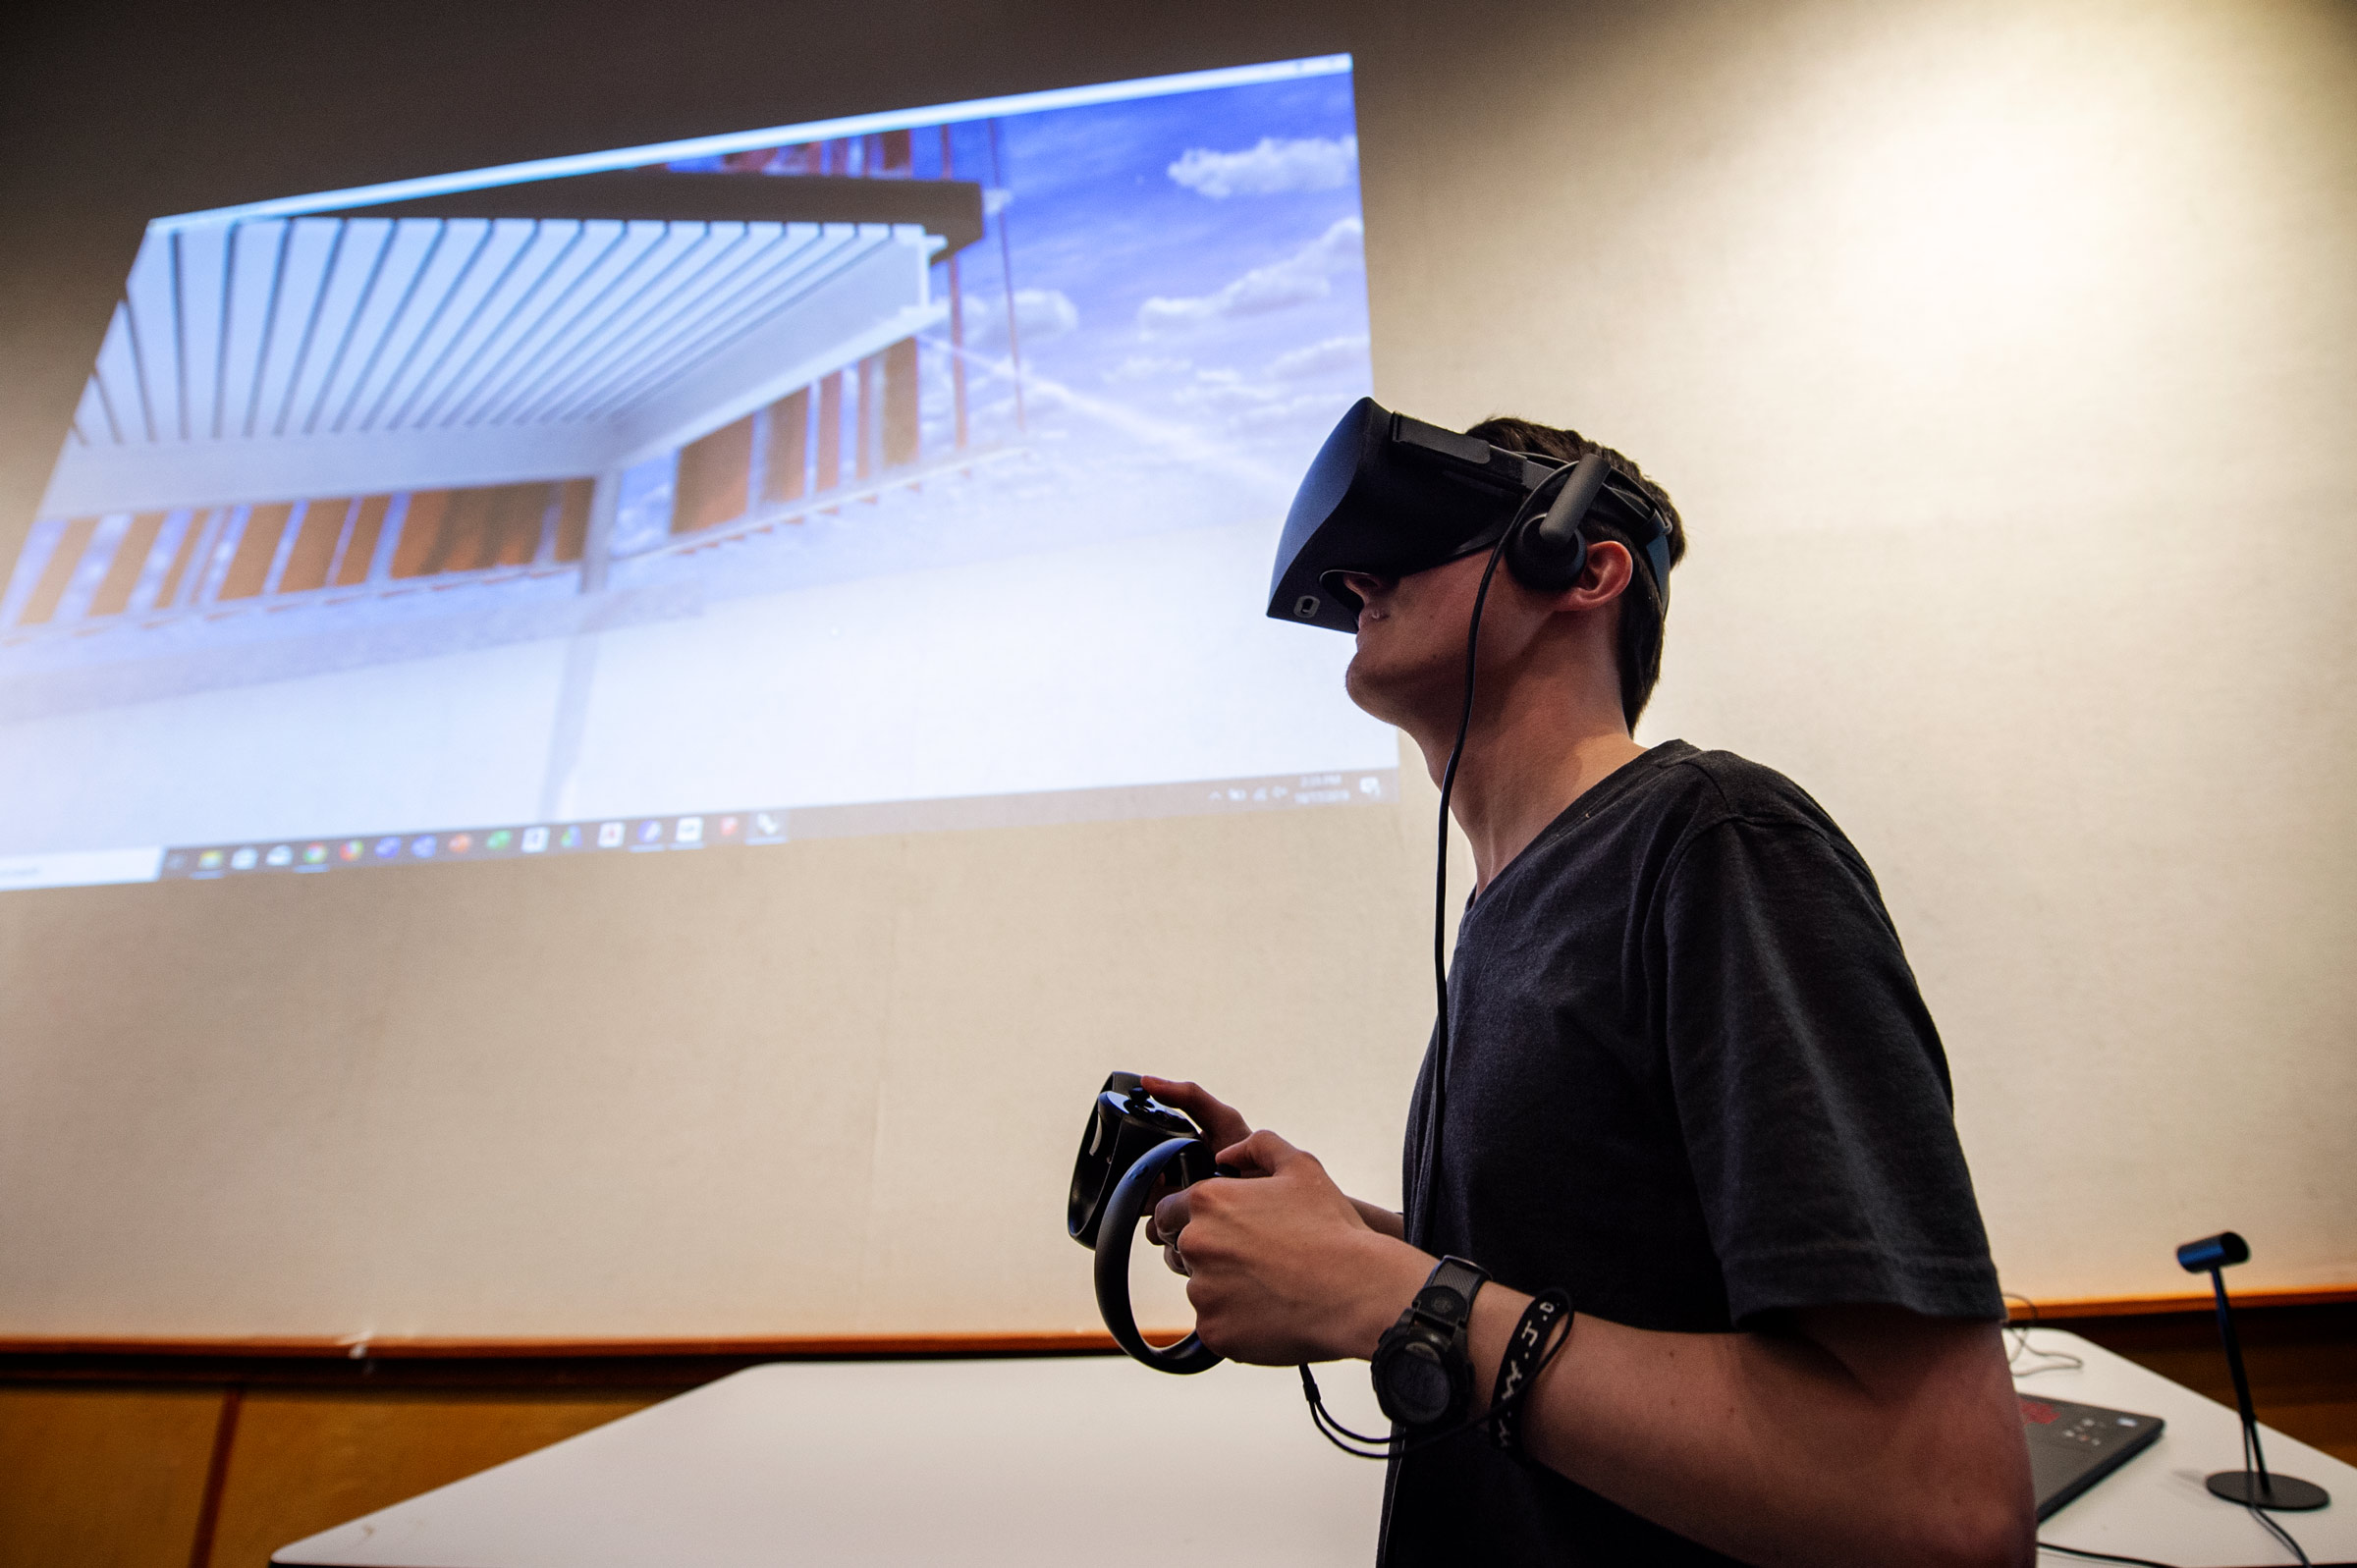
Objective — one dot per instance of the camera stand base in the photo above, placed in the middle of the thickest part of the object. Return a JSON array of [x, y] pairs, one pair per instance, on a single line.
[[2284, 1494]]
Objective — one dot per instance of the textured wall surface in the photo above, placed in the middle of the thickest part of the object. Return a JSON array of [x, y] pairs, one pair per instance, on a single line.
[[1997, 355]]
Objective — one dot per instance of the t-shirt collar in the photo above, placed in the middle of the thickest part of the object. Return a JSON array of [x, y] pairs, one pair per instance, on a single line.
[[1602, 792]]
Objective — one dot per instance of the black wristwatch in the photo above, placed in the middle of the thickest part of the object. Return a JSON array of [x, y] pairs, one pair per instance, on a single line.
[[1423, 1370]]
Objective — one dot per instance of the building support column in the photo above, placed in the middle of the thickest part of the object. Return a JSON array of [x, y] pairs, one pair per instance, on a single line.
[[598, 548]]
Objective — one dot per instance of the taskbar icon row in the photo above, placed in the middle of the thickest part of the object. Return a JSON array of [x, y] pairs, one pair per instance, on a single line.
[[617, 833]]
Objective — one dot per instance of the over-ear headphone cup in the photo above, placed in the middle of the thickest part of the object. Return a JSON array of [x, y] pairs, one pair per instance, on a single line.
[[1542, 565]]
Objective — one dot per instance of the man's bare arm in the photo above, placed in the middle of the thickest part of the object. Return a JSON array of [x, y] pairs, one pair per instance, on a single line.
[[1852, 1436]]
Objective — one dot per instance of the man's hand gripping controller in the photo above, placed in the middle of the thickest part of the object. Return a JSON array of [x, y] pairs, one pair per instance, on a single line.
[[1133, 1150]]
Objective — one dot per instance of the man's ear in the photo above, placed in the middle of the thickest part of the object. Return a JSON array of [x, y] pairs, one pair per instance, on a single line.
[[1609, 571]]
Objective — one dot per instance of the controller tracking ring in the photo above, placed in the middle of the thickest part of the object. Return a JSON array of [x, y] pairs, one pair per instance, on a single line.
[[1114, 1232]]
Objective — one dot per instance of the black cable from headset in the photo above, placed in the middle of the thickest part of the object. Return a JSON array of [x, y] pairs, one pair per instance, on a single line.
[[1420, 1200], [1333, 1430], [1436, 1104]]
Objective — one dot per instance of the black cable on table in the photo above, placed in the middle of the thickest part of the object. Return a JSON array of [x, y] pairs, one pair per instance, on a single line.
[[2102, 1556]]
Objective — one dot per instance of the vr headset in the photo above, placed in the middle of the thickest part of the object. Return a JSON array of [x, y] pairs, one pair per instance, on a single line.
[[1391, 496]]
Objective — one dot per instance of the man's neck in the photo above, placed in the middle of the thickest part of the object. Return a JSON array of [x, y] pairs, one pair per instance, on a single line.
[[1521, 770]]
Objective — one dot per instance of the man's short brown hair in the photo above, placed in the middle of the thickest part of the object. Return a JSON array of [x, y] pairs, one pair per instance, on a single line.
[[1644, 608]]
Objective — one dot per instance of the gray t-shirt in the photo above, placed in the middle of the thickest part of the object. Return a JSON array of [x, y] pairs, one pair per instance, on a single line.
[[1692, 1083]]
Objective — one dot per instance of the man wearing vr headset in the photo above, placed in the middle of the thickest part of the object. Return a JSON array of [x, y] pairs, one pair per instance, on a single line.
[[1684, 1079]]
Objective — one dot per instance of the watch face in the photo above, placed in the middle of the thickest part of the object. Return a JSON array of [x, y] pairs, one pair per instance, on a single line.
[[1417, 1387]]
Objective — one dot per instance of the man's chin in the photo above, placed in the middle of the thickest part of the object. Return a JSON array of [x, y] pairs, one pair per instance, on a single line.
[[1365, 684], [1398, 693]]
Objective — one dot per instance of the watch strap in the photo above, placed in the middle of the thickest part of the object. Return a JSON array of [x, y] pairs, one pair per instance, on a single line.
[[1445, 1298]]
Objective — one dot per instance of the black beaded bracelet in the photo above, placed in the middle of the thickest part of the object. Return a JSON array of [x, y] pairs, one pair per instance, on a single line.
[[1527, 1353]]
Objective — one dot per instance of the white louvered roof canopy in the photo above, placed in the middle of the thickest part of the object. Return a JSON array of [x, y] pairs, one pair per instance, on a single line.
[[276, 357]]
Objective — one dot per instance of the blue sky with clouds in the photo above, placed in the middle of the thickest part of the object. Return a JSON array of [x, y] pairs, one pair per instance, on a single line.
[[1193, 262], [1190, 298]]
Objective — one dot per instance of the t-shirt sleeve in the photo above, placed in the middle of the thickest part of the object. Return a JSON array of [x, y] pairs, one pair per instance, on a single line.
[[1810, 1084]]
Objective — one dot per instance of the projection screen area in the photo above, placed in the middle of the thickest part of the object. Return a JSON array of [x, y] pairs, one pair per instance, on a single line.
[[907, 472]]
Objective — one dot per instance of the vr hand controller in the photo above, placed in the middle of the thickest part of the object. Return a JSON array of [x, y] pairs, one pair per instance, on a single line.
[[1132, 1144]]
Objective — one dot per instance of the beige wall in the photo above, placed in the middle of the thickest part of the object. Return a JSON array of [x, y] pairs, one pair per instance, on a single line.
[[1998, 355]]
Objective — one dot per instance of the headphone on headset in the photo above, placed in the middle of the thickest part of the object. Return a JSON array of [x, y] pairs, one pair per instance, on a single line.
[[1548, 553]]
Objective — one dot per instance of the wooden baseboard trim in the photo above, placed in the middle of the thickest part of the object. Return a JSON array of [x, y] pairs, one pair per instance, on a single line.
[[1038, 1342], [2155, 1306], [434, 1348]]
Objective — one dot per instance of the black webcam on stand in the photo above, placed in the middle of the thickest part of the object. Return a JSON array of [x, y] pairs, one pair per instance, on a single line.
[[2252, 1485]]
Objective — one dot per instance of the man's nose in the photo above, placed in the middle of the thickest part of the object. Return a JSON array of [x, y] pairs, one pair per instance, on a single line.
[[1367, 587]]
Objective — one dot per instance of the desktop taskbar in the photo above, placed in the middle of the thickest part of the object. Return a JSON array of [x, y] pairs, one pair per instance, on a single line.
[[693, 831]]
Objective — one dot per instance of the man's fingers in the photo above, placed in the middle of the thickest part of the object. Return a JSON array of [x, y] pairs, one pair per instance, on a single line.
[[1223, 1122], [1168, 1219], [1263, 1154]]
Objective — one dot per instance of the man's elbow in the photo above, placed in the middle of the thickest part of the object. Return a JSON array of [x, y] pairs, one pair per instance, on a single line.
[[1995, 1527]]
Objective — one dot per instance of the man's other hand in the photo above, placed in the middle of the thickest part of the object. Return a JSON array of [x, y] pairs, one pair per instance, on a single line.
[[1225, 1127], [1282, 1266]]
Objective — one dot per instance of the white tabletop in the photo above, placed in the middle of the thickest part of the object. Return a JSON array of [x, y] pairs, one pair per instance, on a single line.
[[1092, 1460], [1041, 1462], [2156, 1505]]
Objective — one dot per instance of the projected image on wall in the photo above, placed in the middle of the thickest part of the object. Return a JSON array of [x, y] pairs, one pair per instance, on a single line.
[[913, 470]]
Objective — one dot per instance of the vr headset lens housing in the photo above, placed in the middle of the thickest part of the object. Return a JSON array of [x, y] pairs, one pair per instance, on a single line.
[[1391, 496]]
